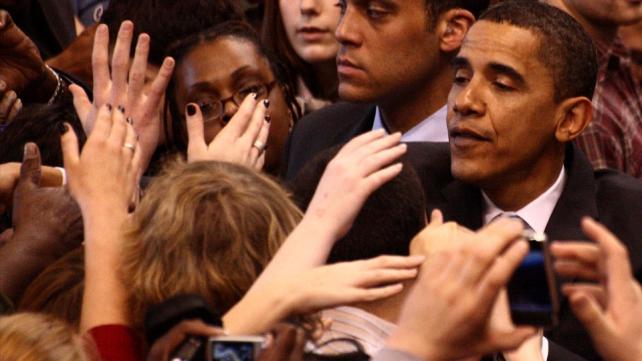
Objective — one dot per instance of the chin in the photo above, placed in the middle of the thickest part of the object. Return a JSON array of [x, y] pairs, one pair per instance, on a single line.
[[356, 94], [466, 173], [319, 54]]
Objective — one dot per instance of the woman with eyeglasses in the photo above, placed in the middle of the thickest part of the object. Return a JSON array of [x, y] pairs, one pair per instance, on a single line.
[[216, 70]]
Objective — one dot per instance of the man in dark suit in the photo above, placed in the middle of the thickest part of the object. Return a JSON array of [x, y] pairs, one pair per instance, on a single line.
[[523, 82], [394, 61]]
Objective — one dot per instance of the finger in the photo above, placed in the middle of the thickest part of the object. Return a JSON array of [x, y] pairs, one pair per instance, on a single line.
[[378, 145], [177, 334], [618, 267], [375, 161], [17, 107], [118, 128], [69, 144], [360, 140], [137, 71], [258, 155], [511, 340], [373, 294], [130, 144], [595, 291], [159, 84], [385, 276], [392, 262], [497, 236], [100, 63], [257, 121], [582, 252], [6, 103], [103, 123], [375, 180], [81, 103], [572, 269], [589, 313], [436, 217], [501, 270], [194, 123], [30, 170], [120, 63], [240, 121]]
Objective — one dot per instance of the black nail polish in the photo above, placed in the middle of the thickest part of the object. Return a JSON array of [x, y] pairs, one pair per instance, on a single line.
[[266, 102], [268, 118], [191, 109], [109, 107], [121, 109], [130, 120], [62, 128]]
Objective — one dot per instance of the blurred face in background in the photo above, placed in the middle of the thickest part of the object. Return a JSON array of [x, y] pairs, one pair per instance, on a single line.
[[310, 26], [607, 12], [632, 38]]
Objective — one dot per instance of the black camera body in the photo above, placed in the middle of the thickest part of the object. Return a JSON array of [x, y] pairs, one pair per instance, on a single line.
[[532, 291]]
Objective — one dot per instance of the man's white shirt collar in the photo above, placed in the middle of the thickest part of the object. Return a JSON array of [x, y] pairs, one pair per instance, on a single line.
[[431, 129], [536, 213]]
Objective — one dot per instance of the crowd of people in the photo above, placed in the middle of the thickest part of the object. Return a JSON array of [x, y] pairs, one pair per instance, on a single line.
[[337, 179]]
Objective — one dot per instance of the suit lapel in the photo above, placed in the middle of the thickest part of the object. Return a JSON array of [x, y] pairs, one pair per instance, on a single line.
[[464, 204]]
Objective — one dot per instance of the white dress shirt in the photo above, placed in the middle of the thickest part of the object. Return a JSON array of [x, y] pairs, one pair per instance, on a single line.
[[536, 214], [431, 129]]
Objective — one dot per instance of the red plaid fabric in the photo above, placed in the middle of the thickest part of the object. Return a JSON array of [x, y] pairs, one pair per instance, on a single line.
[[614, 138]]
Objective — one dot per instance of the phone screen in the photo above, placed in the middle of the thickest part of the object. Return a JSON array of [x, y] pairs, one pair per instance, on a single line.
[[233, 351], [529, 294]]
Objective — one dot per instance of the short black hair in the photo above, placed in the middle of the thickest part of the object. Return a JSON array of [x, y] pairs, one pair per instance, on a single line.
[[565, 48], [437, 7], [390, 218], [176, 131], [40, 124], [167, 21]]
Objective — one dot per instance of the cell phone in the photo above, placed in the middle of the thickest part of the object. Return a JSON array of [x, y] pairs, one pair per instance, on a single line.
[[234, 348], [532, 290]]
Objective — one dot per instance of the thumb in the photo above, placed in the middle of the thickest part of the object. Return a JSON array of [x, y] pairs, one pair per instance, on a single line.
[[82, 104], [31, 165], [508, 341]]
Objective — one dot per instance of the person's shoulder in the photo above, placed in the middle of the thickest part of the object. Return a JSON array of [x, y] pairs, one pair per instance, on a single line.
[[616, 185], [335, 118]]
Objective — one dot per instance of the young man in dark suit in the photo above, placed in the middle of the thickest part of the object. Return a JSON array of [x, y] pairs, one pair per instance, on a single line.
[[394, 69], [522, 87]]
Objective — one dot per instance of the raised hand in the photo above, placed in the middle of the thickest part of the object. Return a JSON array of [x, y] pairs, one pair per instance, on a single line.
[[241, 141], [21, 66], [123, 88], [362, 166], [611, 309], [447, 314]]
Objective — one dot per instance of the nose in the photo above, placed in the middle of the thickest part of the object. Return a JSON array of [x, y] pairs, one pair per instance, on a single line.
[[309, 7], [229, 109], [467, 100], [347, 32]]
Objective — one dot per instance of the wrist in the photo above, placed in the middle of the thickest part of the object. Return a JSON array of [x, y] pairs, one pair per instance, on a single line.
[[414, 345], [43, 88]]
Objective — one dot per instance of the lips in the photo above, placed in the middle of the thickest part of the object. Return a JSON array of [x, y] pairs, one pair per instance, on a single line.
[[466, 137], [346, 67], [311, 33]]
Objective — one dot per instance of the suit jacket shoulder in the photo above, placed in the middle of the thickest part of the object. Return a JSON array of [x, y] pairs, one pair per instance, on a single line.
[[322, 129]]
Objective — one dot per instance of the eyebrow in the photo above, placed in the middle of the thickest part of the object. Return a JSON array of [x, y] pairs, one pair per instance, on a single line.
[[507, 70], [460, 62]]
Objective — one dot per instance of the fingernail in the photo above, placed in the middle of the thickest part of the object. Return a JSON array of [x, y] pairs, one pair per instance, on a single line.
[[255, 95], [121, 109], [30, 150], [266, 102], [109, 107], [268, 118], [62, 128], [191, 109]]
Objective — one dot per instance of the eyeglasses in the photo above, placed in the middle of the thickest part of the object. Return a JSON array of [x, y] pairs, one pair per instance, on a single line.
[[213, 110]]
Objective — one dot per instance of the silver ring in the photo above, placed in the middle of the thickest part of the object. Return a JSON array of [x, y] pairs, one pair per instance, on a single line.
[[129, 146], [260, 146]]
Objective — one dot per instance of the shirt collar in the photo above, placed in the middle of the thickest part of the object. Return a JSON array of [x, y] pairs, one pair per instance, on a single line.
[[431, 129], [536, 213]]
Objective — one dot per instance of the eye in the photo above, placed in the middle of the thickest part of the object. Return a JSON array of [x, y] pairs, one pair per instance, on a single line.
[[375, 13], [503, 87], [461, 77]]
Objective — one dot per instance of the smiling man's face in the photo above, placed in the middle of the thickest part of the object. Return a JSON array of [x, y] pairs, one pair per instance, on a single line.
[[501, 107]]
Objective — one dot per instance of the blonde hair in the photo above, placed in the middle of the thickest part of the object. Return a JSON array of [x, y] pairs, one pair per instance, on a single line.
[[38, 337], [207, 228]]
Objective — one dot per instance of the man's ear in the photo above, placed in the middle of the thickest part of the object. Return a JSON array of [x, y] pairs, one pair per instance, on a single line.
[[452, 27], [574, 115]]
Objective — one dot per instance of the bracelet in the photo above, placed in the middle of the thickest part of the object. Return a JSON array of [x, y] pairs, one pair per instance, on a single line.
[[59, 86]]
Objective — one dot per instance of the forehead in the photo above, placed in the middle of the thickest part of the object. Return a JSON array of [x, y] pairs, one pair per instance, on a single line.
[[218, 60], [504, 44]]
